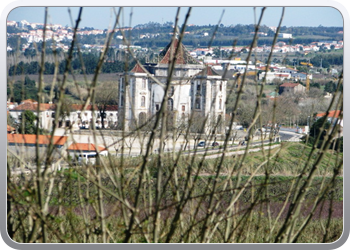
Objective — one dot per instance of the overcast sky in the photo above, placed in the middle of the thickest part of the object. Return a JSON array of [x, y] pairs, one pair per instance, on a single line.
[[102, 17]]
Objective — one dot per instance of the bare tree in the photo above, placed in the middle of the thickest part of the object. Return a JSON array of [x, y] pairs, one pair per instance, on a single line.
[[106, 94]]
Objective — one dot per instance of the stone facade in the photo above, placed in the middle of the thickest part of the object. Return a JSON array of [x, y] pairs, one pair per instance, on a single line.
[[193, 89]]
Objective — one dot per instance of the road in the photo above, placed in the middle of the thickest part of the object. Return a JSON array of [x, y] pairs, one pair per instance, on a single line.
[[135, 147], [288, 134]]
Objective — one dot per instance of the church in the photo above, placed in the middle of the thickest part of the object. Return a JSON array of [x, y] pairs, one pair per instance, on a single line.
[[193, 90]]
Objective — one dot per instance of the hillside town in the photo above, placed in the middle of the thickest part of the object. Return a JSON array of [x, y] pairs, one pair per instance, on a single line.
[[59, 34]]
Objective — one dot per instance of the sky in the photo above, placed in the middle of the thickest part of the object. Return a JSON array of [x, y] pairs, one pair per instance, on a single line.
[[103, 17]]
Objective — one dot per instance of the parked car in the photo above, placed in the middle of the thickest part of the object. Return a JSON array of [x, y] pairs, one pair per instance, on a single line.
[[90, 157], [201, 144], [214, 144]]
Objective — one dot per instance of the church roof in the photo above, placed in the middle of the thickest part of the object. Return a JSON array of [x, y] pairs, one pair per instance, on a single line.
[[208, 71], [211, 71], [183, 56], [138, 69]]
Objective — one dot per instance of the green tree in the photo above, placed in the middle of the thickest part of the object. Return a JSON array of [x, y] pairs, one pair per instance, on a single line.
[[317, 129], [27, 125], [330, 87], [22, 90]]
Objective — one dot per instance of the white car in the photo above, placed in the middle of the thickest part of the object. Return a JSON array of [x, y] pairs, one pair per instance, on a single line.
[[90, 157]]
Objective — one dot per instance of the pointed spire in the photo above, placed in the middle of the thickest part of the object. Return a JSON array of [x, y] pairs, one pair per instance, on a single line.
[[138, 69], [183, 56]]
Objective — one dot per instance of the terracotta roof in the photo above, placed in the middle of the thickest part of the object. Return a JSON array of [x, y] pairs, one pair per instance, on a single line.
[[333, 113], [85, 147], [81, 106], [29, 100], [112, 108], [31, 139], [32, 105], [138, 69], [10, 129], [182, 57], [208, 71], [289, 85], [211, 72]]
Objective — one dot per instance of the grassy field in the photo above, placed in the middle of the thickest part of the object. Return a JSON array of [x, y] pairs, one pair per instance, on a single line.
[[80, 199]]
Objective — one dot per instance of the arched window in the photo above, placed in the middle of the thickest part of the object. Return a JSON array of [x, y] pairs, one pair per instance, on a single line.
[[220, 104], [198, 103], [219, 119], [157, 107], [171, 91], [143, 101], [170, 104], [142, 118]]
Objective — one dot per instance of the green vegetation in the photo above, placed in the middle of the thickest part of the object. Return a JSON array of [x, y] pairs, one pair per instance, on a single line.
[[90, 63], [291, 193], [76, 194], [22, 90]]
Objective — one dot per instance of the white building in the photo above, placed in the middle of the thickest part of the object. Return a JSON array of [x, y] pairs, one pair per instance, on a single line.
[[76, 117], [193, 88], [285, 35]]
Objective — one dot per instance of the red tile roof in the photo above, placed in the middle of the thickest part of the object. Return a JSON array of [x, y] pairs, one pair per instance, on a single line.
[[138, 69], [333, 113], [31, 139], [289, 85], [10, 129], [112, 108], [85, 147], [79, 107], [208, 71], [32, 105]]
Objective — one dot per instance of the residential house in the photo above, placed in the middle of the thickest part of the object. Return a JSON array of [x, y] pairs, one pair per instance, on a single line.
[[291, 87], [300, 76], [11, 105], [80, 118], [45, 112], [75, 118], [24, 145], [287, 70], [270, 76], [333, 117]]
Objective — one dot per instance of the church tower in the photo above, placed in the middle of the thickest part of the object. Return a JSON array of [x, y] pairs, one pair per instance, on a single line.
[[134, 98], [208, 93]]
